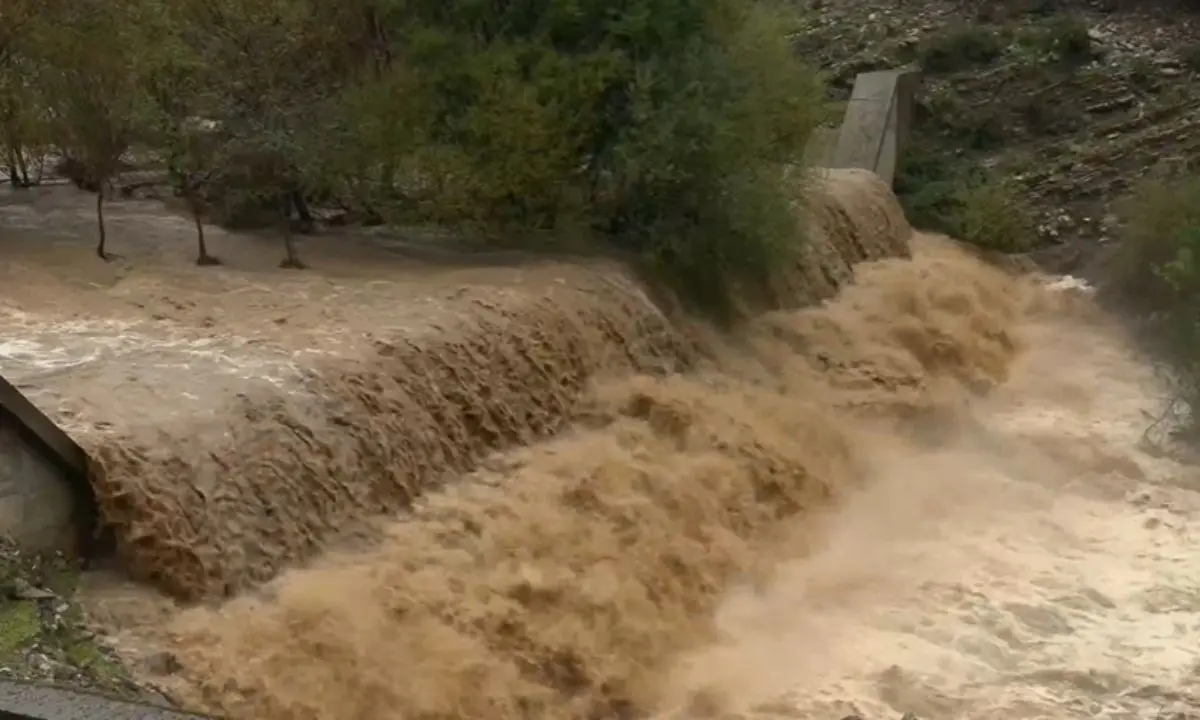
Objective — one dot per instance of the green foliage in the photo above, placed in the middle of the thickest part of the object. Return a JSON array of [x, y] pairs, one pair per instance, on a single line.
[[21, 135], [952, 195], [961, 47], [994, 216], [664, 130], [89, 56], [1160, 222], [1157, 272], [1063, 39], [1068, 39], [928, 185], [970, 127], [664, 127]]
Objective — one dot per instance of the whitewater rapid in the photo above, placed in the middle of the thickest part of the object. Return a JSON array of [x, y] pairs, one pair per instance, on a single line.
[[1042, 563], [930, 494]]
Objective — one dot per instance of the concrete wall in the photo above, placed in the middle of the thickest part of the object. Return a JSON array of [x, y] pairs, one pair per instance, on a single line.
[[875, 129], [36, 503]]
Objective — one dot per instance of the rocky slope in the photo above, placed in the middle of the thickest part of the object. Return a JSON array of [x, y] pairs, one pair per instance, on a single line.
[[1066, 101]]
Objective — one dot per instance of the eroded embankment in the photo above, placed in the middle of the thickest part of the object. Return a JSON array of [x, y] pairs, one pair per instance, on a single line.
[[562, 581], [218, 504]]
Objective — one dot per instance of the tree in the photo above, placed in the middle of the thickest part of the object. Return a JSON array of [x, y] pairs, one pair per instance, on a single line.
[[176, 82], [269, 72], [18, 106], [92, 60], [667, 127], [194, 163]]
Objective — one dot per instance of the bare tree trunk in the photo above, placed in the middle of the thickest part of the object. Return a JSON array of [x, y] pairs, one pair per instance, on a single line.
[[13, 178], [23, 167], [203, 259], [307, 223], [100, 224], [292, 259]]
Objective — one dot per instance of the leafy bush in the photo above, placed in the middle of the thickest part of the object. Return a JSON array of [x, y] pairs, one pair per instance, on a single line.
[[1157, 273], [961, 47], [1068, 38], [666, 128], [957, 197], [1156, 265], [994, 216], [1064, 38]]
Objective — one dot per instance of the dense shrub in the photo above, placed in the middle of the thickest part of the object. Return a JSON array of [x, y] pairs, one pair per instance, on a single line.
[[664, 127], [1157, 266], [995, 216], [949, 194], [1157, 273], [1064, 38], [959, 47]]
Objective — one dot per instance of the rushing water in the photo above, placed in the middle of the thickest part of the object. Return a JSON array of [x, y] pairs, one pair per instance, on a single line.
[[831, 517]]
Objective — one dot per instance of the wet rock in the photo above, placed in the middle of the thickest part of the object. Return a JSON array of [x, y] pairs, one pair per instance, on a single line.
[[19, 589], [163, 663]]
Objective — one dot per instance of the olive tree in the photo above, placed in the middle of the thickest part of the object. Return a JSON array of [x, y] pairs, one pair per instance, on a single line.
[[182, 94], [19, 109], [92, 58], [269, 74]]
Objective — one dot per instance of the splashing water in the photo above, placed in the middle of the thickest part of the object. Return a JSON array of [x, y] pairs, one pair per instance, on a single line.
[[1037, 565], [908, 547], [927, 496]]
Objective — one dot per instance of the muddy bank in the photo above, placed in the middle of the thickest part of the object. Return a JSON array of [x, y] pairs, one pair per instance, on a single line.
[[219, 461]]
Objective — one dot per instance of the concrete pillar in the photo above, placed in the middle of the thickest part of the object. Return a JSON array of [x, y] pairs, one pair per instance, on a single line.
[[877, 123]]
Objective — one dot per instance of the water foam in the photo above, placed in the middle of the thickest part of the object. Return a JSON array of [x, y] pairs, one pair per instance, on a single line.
[[927, 495], [1039, 565]]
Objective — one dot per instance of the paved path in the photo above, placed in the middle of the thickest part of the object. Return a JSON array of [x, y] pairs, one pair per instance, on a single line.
[[28, 701]]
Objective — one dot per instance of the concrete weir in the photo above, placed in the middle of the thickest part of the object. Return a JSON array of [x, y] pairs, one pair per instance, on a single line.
[[875, 128], [46, 502], [46, 497]]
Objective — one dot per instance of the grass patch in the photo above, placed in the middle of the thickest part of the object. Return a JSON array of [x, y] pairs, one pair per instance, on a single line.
[[44, 635], [20, 627]]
